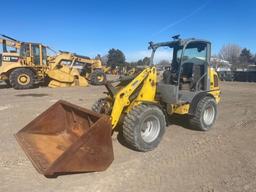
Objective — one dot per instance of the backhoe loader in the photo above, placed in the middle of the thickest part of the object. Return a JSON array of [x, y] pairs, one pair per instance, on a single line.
[[28, 63], [68, 138], [88, 68]]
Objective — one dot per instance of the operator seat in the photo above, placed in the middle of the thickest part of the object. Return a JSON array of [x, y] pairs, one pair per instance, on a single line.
[[186, 76], [170, 76], [167, 76], [198, 72]]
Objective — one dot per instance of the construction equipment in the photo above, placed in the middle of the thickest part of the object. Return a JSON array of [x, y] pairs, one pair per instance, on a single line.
[[22, 66], [138, 107], [69, 69], [29, 64]]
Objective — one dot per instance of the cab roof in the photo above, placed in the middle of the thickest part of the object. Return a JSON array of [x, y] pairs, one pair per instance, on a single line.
[[178, 42]]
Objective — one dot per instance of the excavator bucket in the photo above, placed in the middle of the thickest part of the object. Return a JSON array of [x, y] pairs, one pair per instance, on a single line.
[[66, 139]]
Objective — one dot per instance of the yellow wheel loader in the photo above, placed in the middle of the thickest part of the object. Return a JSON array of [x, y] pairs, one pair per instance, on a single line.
[[68, 138], [23, 64]]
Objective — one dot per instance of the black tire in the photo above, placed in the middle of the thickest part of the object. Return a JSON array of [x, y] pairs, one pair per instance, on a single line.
[[7, 82], [98, 77], [134, 123], [16, 81], [102, 106], [205, 115]]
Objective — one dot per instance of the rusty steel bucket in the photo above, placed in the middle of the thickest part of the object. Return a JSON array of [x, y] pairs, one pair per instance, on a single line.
[[66, 139]]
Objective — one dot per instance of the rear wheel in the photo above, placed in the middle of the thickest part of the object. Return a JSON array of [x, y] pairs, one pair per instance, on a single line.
[[205, 114], [22, 78], [98, 77], [144, 127]]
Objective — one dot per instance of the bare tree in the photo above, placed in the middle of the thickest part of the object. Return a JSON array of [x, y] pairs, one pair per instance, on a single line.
[[231, 53], [164, 63]]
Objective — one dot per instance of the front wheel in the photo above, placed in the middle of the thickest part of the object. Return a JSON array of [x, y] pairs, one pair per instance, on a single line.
[[102, 106], [205, 114], [144, 127], [22, 78]]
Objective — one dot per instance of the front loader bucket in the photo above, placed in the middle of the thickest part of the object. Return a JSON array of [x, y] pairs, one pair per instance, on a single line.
[[67, 139]]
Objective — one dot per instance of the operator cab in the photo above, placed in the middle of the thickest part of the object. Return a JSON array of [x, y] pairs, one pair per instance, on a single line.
[[37, 52], [14, 51], [186, 70]]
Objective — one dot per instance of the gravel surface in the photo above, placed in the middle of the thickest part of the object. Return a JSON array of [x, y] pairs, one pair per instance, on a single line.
[[223, 159]]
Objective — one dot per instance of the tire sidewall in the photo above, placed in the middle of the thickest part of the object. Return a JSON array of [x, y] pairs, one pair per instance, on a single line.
[[15, 75], [209, 102], [138, 127]]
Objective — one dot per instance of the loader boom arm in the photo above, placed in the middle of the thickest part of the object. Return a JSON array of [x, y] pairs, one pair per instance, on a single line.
[[95, 62], [123, 100], [55, 60]]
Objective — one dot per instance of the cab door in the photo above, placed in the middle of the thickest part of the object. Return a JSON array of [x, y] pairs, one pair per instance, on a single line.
[[43, 55], [36, 54], [194, 66]]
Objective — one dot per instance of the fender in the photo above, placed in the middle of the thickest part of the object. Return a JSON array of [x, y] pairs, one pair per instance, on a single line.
[[196, 99]]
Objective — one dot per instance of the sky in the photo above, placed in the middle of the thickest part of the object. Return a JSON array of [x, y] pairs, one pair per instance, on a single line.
[[91, 27]]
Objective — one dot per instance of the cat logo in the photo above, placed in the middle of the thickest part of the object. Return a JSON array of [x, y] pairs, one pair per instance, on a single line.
[[10, 59]]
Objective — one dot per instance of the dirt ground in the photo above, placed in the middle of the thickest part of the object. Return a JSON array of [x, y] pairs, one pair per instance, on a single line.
[[223, 159]]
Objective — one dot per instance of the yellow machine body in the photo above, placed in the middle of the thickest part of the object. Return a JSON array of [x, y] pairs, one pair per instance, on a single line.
[[148, 79], [67, 138]]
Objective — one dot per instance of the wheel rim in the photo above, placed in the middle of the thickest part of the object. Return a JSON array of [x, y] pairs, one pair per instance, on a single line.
[[100, 78], [23, 79], [150, 129], [209, 115]]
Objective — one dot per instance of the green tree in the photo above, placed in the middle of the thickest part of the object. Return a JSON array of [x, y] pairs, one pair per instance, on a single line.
[[115, 58], [245, 58], [140, 62], [146, 61]]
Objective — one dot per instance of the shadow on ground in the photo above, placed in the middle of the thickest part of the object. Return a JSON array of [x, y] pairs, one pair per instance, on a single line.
[[32, 95], [180, 120], [4, 86]]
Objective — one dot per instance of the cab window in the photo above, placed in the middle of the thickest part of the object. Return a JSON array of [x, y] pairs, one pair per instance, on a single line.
[[36, 54], [195, 51], [24, 50], [44, 54]]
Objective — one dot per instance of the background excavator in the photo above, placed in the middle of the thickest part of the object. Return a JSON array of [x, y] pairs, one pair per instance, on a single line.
[[81, 67], [68, 138], [27, 63]]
